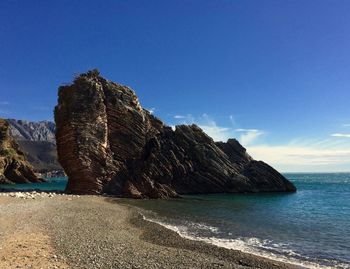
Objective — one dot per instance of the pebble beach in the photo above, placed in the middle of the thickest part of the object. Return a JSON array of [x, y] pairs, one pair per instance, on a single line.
[[54, 230]]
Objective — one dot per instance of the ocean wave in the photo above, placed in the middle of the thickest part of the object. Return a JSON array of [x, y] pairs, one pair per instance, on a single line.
[[263, 248]]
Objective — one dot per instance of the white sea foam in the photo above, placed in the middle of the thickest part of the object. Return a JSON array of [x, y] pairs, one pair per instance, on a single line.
[[248, 245]]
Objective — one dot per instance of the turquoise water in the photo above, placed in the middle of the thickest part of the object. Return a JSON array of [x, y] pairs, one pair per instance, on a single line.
[[310, 227], [52, 184]]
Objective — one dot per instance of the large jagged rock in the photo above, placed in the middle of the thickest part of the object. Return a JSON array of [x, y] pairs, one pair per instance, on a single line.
[[13, 166], [107, 143]]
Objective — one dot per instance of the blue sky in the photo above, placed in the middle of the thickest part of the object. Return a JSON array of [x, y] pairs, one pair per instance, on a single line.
[[274, 74]]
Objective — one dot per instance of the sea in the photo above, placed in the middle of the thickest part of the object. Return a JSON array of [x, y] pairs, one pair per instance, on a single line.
[[310, 228], [51, 184]]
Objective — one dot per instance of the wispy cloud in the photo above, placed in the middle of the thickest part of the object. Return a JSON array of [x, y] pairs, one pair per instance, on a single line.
[[249, 136], [211, 128], [4, 108], [340, 135], [151, 110], [246, 130], [179, 117], [5, 112], [185, 119], [216, 132], [322, 156], [295, 155], [219, 132], [208, 125], [232, 120], [346, 125]]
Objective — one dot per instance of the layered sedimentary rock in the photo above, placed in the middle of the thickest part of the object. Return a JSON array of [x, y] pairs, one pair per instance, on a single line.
[[13, 166], [107, 143], [37, 141]]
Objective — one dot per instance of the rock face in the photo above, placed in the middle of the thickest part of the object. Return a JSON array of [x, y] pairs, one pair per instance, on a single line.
[[37, 141], [32, 131], [107, 143], [13, 166]]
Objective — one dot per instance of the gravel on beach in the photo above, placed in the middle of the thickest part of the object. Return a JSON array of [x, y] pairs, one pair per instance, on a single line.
[[83, 232]]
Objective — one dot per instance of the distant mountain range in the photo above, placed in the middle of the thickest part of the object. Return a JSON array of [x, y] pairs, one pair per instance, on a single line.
[[32, 131], [37, 141]]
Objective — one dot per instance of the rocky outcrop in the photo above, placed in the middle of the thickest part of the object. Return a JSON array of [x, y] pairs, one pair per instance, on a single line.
[[13, 166], [37, 141], [107, 143]]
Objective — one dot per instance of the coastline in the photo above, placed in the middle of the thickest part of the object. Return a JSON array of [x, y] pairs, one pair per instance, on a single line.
[[235, 254], [101, 232], [157, 233]]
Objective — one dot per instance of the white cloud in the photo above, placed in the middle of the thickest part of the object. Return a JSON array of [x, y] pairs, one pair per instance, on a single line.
[[4, 112], [288, 158], [179, 117], [249, 136], [346, 125], [4, 103], [296, 155], [185, 119], [305, 155], [210, 127], [218, 132], [341, 135], [246, 130], [232, 120], [151, 110]]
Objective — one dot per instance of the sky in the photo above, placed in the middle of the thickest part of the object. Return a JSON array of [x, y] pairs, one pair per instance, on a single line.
[[273, 74]]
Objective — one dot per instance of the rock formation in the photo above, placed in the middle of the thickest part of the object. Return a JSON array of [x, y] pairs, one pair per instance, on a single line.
[[107, 143], [37, 141], [13, 166]]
